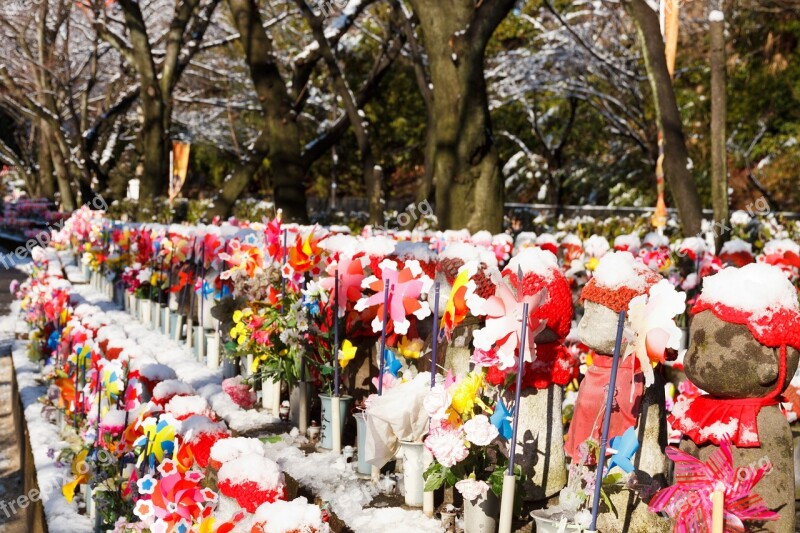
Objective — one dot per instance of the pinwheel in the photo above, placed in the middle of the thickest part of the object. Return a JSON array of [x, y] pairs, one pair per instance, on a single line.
[[503, 313], [689, 503], [406, 287], [501, 419], [80, 472], [113, 380], [652, 325], [304, 256], [157, 440], [346, 353], [243, 259], [393, 364], [625, 447], [351, 275], [457, 308], [273, 239]]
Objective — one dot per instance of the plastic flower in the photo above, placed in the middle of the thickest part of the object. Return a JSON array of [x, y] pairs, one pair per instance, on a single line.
[[652, 325], [480, 431], [146, 484], [410, 349], [346, 353], [472, 489], [465, 393], [446, 444]]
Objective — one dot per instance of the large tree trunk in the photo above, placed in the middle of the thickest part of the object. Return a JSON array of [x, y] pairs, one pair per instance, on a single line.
[[719, 170], [466, 168], [281, 130], [676, 158], [47, 179], [61, 169]]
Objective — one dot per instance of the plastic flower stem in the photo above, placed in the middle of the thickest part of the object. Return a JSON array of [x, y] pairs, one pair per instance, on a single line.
[[612, 383], [336, 335], [202, 290], [520, 363], [99, 401], [382, 355], [435, 340]]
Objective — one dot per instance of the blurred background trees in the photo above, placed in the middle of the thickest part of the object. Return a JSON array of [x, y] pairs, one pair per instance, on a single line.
[[304, 105]]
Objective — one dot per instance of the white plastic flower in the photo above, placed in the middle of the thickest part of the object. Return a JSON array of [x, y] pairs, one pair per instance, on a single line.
[[652, 325]]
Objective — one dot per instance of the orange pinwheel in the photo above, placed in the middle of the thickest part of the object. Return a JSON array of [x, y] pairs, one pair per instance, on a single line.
[[456, 309]]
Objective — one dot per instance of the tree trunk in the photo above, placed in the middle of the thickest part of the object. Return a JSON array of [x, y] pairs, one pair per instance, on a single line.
[[47, 179], [466, 167], [154, 153], [676, 158], [719, 170], [61, 170], [281, 132]]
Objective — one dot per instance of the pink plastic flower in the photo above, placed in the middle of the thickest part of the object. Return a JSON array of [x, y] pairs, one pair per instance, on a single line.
[[472, 489], [480, 431], [446, 443]]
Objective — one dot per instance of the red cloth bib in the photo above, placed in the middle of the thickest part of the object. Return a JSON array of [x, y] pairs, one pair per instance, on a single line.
[[587, 420], [709, 419]]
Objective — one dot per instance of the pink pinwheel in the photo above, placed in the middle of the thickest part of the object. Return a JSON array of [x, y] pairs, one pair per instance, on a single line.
[[688, 501], [503, 313], [405, 289], [351, 275]]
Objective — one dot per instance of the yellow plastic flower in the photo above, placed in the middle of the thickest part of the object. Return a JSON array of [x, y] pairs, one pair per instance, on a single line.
[[410, 349], [465, 393], [592, 263], [346, 353]]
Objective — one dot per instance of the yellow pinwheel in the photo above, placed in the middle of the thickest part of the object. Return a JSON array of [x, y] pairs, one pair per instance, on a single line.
[[346, 353]]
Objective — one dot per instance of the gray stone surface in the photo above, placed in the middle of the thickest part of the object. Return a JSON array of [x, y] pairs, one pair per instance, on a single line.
[[598, 329]]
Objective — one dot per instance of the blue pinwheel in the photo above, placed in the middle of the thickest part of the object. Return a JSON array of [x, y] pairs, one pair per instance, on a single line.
[[54, 340], [501, 419], [626, 447], [393, 364]]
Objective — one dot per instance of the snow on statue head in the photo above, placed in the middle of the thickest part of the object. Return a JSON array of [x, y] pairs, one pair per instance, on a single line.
[[617, 280], [745, 320]]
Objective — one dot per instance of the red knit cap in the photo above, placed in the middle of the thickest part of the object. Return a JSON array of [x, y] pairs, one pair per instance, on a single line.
[[557, 309], [618, 298], [758, 296]]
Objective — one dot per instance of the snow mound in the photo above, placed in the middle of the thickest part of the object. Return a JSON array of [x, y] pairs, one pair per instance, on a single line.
[[533, 261], [781, 246], [227, 450], [289, 517], [254, 468], [596, 246], [756, 288], [735, 246], [414, 250], [621, 269], [182, 407]]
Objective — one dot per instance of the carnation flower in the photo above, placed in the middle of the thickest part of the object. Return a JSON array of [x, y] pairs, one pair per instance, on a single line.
[[472, 489], [480, 431], [466, 392], [446, 443], [437, 402]]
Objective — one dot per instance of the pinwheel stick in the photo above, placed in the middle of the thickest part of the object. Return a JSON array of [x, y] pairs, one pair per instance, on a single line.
[[382, 356], [283, 262], [612, 383], [718, 511], [509, 481], [336, 335], [435, 340]]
